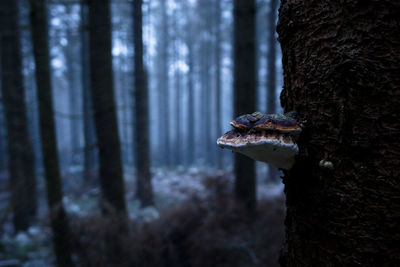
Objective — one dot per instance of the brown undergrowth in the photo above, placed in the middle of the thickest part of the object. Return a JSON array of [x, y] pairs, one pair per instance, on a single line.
[[211, 232]]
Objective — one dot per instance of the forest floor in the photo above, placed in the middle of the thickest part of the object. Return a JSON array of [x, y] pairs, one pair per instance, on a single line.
[[194, 222]]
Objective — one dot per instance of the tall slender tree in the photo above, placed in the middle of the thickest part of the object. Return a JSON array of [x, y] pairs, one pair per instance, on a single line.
[[204, 60], [341, 75], [271, 58], [163, 87], [89, 135], [244, 93], [58, 217], [189, 36], [2, 137], [20, 151], [105, 117], [126, 110], [218, 70], [70, 58], [177, 88], [273, 172], [142, 145]]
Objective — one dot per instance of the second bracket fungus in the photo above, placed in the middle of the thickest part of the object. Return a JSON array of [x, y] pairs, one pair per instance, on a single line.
[[270, 138]]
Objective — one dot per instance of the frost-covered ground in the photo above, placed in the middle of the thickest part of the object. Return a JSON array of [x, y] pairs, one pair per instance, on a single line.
[[171, 188]]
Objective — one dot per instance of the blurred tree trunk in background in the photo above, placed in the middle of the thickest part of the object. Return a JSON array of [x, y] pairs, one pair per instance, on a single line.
[[142, 144], [271, 58], [20, 151], [176, 90], [105, 117], [218, 70], [73, 100], [191, 147], [88, 122], [341, 75], [2, 135], [205, 79], [32, 104], [178, 115], [163, 88], [58, 217], [126, 112], [179, 95], [273, 172], [244, 93]]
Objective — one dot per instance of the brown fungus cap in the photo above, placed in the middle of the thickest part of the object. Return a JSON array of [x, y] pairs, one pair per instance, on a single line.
[[270, 122], [269, 138]]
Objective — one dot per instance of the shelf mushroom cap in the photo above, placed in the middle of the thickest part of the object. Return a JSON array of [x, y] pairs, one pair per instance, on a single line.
[[269, 138], [260, 121]]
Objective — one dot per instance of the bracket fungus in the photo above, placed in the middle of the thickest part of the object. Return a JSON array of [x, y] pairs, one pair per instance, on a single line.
[[270, 138]]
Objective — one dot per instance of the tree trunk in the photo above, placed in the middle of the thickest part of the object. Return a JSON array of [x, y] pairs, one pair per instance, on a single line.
[[102, 92], [273, 172], [73, 104], [341, 75], [191, 148], [20, 151], [218, 70], [88, 123], [176, 91], [163, 88], [271, 58], [142, 145], [3, 149], [126, 110], [205, 56], [244, 93], [58, 217], [178, 97]]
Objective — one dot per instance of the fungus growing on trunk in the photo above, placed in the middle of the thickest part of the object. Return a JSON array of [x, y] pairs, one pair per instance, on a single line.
[[270, 138]]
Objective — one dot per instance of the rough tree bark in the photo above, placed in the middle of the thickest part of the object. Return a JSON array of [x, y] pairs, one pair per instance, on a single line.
[[20, 151], [105, 117], [58, 217], [244, 93], [341, 75], [142, 144]]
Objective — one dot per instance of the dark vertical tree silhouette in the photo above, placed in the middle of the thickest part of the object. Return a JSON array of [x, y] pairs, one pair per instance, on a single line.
[[271, 58], [271, 71], [189, 36], [126, 111], [20, 151], [218, 113], [163, 87], [70, 62], [88, 123], [244, 93], [177, 90], [2, 136], [58, 217], [105, 117], [341, 75], [142, 144], [205, 55]]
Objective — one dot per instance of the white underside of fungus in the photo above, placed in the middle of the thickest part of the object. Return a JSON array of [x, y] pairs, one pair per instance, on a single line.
[[276, 149]]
